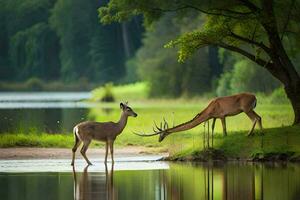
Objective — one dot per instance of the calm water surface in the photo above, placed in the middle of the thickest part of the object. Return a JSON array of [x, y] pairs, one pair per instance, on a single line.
[[177, 181], [50, 112]]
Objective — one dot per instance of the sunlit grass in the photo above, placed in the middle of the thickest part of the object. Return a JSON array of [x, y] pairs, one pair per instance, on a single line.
[[137, 91]]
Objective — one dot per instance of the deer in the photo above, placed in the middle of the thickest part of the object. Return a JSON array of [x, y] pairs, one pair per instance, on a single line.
[[107, 132], [218, 108]]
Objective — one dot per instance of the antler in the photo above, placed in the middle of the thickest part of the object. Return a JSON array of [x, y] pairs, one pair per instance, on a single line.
[[157, 130]]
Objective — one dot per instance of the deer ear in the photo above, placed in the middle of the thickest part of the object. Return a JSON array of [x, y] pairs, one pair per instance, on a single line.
[[121, 106]]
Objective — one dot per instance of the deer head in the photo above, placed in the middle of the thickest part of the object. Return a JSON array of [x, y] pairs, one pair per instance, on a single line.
[[127, 110], [162, 131]]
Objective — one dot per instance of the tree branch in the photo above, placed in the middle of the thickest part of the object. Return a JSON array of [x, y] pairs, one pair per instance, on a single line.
[[187, 6], [259, 44], [236, 12], [250, 5], [252, 57]]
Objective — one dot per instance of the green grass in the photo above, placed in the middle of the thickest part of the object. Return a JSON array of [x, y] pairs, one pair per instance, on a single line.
[[282, 140], [35, 140], [136, 91], [279, 137]]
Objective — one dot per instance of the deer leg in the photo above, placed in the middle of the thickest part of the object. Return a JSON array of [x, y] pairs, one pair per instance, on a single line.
[[258, 119], [106, 152], [212, 131], [84, 149], [111, 145], [74, 149], [224, 126], [254, 118]]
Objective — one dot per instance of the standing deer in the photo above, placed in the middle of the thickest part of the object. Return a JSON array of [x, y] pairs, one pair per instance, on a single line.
[[221, 108], [102, 131]]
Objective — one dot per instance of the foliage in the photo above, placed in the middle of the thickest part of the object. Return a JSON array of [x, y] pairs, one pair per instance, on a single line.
[[278, 96], [33, 52], [63, 40], [34, 84], [224, 84], [255, 29], [107, 93], [246, 77], [157, 66]]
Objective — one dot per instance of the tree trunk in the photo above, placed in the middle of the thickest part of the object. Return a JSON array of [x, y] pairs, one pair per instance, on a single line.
[[283, 68], [293, 93]]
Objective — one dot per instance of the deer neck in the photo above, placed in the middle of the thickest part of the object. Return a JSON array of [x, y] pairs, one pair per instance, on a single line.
[[122, 122], [198, 119]]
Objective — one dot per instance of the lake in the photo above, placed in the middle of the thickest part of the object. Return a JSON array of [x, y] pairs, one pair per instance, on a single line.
[[130, 178], [153, 180], [50, 112]]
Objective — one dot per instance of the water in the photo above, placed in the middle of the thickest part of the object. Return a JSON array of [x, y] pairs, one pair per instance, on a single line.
[[163, 181], [34, 112]]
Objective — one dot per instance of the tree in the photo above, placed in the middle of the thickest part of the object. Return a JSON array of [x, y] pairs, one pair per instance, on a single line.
[[28, 46], [34, 53], [158, 67], [89, 49], [256, 29]]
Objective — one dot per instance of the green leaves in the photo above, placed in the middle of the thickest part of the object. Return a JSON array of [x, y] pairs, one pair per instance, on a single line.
[[211, 33]]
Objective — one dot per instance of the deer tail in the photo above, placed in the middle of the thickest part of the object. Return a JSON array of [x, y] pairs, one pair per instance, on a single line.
[[75, 132]]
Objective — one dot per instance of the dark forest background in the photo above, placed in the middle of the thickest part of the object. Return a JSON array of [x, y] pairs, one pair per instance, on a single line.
[[63, 42]]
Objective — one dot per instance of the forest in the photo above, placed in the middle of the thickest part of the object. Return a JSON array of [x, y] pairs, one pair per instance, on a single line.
[[63, 41]]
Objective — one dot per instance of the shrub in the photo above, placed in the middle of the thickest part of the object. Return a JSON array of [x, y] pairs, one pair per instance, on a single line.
[[278, 96], [132, 91], [107, 95], [224, 88], [34, 84], [246, 77]]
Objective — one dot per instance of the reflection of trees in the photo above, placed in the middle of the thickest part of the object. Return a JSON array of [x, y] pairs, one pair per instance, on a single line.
[[231, 181], [94, 186], [239, 181], [193, 181], [70, 117], [103, 114], [23, 120], [49, 120]]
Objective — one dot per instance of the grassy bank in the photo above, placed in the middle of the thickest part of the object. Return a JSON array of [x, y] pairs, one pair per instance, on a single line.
[[274, 144], [276, 116], [283, 141]]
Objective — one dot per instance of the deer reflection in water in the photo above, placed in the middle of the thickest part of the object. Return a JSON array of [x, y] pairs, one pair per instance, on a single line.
[[92, 185], [207, 181]]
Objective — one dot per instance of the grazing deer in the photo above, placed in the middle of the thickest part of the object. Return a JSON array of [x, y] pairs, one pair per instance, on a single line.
[[102, 131], [220, 107]]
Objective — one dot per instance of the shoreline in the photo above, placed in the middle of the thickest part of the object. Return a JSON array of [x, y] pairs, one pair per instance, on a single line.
[[22, 153], [36, 153]]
